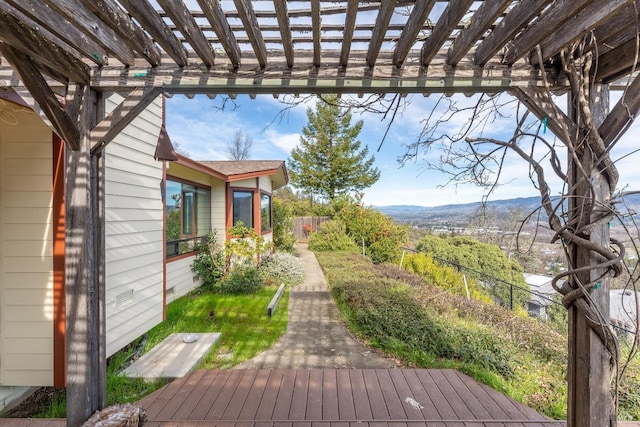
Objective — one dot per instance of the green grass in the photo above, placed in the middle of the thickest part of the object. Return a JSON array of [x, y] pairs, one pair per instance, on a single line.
[[245, 328]]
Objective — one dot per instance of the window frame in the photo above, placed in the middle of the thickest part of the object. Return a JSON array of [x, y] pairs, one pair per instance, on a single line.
[[185, 240], [270, 213]]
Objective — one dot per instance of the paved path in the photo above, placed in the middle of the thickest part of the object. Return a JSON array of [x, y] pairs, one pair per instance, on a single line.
[[315, 336]]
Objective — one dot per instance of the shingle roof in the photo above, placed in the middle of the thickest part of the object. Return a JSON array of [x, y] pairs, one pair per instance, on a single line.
[[236, 170]]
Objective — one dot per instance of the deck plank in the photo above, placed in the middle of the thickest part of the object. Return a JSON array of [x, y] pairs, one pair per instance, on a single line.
[[220, 404], [314, 395], [197, 394], [449, 393], [376, 398], [360, 397], [330, 409], [416, 399], [346, 404], [239, 398], [210, 395], [299, 399], [442, 406], [270, 395], [393, 401], [255, 396], [282, 406]]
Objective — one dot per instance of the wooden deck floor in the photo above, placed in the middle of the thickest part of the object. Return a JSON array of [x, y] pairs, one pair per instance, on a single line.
[[335, 398]]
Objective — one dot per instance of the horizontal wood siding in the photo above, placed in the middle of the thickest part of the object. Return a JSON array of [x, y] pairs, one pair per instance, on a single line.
[[133, 229], [26, 241], [218, 211], [265, 184], [180, 278]]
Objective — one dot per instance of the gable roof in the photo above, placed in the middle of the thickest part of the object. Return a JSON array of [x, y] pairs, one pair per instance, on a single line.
[[236, 170]]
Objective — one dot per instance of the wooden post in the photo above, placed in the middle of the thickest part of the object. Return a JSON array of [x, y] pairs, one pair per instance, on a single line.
[[85, 388], [589, 378]]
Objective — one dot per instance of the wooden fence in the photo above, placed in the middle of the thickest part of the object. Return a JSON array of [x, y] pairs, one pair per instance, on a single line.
[[306, 224]]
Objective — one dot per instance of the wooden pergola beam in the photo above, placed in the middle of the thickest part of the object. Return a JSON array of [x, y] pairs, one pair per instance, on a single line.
[[153, 23], [517, 18], [43, 95], [96, 29], [39, 12], [448, 21], [618, 61], [539, 103], [624, 21], [215, 15], [589, 17], [622, 115], [187, 25], [379, 30], [554, 19], [16, 32], [285, 29], [252, 28], [315, 30], [111, 13], [419, 14], [349, 27]]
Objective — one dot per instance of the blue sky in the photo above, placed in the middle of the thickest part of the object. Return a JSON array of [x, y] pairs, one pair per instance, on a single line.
[[202, 128]]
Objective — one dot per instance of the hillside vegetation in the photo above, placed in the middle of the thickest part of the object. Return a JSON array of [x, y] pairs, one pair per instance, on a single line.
[[427, 326]]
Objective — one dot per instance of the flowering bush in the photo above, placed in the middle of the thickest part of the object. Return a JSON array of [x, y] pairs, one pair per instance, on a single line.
[[280, 268]]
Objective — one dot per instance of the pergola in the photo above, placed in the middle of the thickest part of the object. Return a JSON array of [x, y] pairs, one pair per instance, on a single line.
[[64, 56]]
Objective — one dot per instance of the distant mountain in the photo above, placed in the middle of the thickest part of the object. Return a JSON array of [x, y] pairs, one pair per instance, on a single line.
[[461, 213]]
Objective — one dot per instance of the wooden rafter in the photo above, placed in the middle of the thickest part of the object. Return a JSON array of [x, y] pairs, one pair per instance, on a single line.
[[554, 19], [215, 15], [130, 33], [32, 41], [622, 115], [39, 12], [517, 18], [315, 29], [625, 21], [181, 16], [252, 28], [151, 21], [591, 16], [43, 95], [349, 27], [121, 116], [285, 29], [618, 61], [377, 37], [481, 20], [419, 14], [448, 21], [96, 29]]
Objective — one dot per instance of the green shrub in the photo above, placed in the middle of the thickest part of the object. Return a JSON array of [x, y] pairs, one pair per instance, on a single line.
[[280, 268], [283, 238], [331, 236], [241, 280], [209, 263]]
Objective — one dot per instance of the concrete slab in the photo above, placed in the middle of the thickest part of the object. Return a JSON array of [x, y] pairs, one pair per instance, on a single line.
[[174, 357]]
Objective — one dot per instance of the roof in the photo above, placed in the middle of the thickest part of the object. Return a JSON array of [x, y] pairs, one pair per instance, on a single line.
[[622, 307], [236, 170], [542, 291]]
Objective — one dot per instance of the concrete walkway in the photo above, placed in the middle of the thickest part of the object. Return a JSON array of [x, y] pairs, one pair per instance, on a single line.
[[315, 336]]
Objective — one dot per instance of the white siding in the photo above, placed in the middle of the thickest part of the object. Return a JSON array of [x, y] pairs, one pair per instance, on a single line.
[[266, 184], [180, 278], [218, 210], [26, 242], [245, 183], [133, 229]]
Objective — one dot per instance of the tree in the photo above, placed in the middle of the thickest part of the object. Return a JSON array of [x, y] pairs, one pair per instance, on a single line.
[[330, 160], [240, 147]]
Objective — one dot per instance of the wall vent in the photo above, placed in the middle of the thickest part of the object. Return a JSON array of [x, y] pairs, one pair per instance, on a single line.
[[171, 291], [124, 298]]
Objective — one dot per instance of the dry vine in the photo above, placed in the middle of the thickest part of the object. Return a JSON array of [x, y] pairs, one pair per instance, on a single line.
[[581, 209]]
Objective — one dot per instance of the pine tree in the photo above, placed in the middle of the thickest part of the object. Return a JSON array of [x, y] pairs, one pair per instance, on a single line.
[[329, 159]]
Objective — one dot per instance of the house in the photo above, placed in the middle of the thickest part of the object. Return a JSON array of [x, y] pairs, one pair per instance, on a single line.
[[542, 294], [146, 263], [623, 310]]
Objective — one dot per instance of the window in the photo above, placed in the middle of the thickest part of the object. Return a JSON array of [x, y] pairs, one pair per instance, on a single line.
[[188, 215], [243, 207], [265, 212]]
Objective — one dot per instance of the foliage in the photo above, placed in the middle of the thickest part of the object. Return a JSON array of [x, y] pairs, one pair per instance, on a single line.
[[331, 236], [484, 262], [241, 280], [280, 268], [429, 328], [247, 248], [445, 276], [379, 236], [173, 221], [330, 160], [283, 238], [209, 262]]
